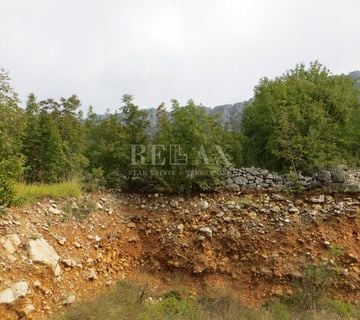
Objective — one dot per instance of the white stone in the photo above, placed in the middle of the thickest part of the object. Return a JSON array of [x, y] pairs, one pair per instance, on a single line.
[[207, 231], [293, 209], [10, 243], [275, 209], [41, 252], [29, 308], [203, 205], [19, 289], [61, 241], [70, 299], [71, 263], [319, 199], [77, 245], [54, 211], [7, 296], [91, 275], [174, 203]]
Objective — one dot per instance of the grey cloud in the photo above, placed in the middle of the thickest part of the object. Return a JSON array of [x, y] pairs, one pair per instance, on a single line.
[[211, 51]]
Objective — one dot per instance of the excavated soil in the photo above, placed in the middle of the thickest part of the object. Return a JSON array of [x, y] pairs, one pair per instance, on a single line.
[[254, 245]]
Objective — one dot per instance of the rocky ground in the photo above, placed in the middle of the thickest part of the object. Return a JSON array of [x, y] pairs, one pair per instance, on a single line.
[[55, 252]]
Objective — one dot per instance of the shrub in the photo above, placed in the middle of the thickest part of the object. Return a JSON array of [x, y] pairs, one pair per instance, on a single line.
[[94, 181], [313, 287], [9, 170]]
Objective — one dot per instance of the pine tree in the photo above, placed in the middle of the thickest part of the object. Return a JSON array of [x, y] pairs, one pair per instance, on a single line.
[[52, 161], [32, 140]]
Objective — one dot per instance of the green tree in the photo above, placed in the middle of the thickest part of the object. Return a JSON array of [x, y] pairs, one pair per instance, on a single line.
[[52, 162], [53, 140], [10, 139], [134, 120], [32, 140], [195, 134], [106, 147], [301, 120], [70, 125], [67, 117]]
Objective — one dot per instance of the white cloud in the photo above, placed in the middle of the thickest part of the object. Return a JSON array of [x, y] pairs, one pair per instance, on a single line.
[[211, 51]]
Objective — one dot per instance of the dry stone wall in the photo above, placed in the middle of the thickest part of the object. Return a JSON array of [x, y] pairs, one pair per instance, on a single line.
[[338, 178]]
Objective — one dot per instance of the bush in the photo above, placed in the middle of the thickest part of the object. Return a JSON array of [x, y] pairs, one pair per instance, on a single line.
[[94, 181], [313, 287], [9, 171]]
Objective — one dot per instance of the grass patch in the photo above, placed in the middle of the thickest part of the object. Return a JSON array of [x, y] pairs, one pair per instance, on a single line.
[[131, 302], [29, 193]]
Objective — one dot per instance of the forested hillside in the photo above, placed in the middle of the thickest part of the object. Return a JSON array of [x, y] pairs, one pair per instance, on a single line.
[[304, 120]]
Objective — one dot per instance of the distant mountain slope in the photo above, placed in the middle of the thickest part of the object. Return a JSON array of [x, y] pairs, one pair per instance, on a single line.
[[230, 115], [356, 75]]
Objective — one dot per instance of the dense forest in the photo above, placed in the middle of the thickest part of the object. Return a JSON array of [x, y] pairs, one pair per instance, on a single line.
[[304, 120]]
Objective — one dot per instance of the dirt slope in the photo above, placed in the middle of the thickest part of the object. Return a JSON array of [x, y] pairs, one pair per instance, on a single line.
[[253, 244]]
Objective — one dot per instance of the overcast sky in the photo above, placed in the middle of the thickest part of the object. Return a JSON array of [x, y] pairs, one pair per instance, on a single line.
[[211, 51]]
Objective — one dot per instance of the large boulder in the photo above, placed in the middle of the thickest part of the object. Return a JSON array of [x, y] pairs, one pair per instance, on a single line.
[[40, 251]]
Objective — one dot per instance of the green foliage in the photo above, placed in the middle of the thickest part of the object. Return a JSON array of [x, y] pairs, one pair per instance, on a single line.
[[335, 250], [53, 140], [51, 156], [302, 121], [11, 160], [341, 308], [305, 120], [10, 170], [94, 181], [196, 134], [128, 301], [280, 311], [134, 121], [172, 308], [314, 286], [106, 147], [109, 140]]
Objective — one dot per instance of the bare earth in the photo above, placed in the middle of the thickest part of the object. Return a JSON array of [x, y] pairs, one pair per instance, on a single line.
[[254, 245]]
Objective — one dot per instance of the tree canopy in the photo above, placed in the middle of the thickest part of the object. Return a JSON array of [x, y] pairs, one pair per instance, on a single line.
[[304, 120]]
